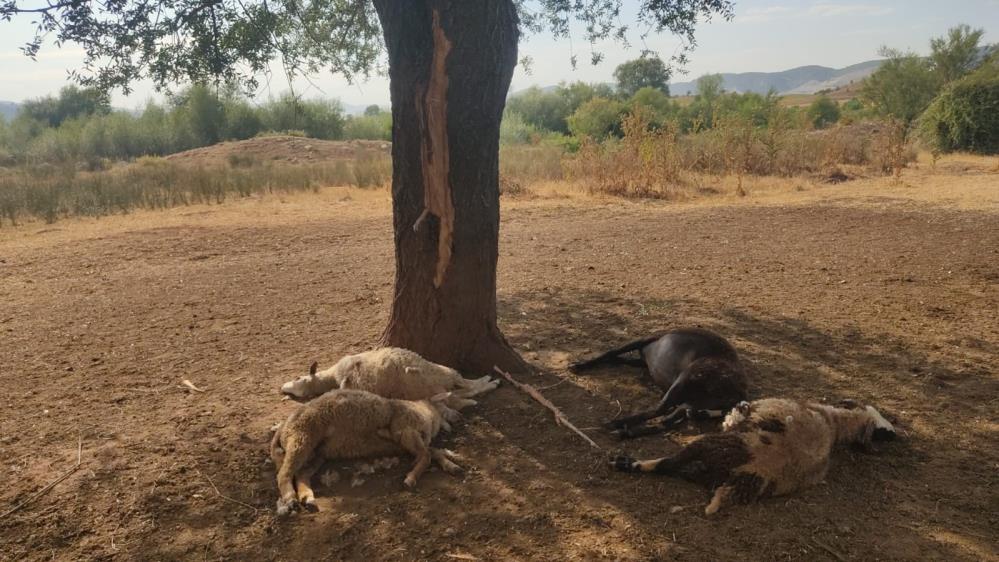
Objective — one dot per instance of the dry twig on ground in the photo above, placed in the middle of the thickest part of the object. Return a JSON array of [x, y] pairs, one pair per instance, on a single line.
[[190, 385], [65, 475], [559, 416], [225, 497]]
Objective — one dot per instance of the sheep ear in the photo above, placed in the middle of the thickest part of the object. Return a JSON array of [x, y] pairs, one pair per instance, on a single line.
[[313, 368]]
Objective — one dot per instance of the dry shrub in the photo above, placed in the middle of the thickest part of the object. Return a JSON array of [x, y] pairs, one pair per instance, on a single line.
[[512, 187], [372, 170], [646, 162], [658, 162], [890, 150]]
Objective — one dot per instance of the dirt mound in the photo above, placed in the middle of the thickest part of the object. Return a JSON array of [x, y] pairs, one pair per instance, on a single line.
[[299, 150]]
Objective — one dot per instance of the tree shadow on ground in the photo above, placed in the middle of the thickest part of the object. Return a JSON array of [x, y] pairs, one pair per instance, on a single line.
[[533, 488]]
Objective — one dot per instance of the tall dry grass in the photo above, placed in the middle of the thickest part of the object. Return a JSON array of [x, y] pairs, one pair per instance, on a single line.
[[528, 163], [50, 192], [659, 162]]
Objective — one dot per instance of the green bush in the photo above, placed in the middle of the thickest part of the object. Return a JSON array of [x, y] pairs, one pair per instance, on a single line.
[[543, 109], [202, 115], [598, 118], [319, 119], [514, 130], [655, 105], [966, 115], [242, 121], [549, 110], [197, 116], [373, 126], [823, 112], [72, 102]]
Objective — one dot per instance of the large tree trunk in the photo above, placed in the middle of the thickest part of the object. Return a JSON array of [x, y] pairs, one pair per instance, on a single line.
[[450, 66]]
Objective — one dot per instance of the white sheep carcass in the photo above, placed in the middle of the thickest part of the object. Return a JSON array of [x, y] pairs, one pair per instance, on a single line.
[[390, 372], [769, 447], [355, 424]]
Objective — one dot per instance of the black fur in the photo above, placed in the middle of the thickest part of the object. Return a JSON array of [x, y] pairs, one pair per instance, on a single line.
[[614, 356], [773, 425], [622, 463], [696, 367], [747, 487], [709, 460]]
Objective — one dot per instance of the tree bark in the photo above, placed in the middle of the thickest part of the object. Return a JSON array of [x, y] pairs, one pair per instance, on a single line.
[[450, 66]]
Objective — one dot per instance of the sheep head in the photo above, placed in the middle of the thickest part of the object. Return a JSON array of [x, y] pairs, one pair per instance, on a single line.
[[304, 386]]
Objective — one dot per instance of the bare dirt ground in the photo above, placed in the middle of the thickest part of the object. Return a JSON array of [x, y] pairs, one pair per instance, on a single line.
[[879, 291], [282, 149]]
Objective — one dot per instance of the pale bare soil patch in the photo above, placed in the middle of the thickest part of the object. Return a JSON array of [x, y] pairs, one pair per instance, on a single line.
[[881, 291]]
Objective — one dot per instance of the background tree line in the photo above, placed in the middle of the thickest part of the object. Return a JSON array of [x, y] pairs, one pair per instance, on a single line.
[[80, 125], [950, 98]]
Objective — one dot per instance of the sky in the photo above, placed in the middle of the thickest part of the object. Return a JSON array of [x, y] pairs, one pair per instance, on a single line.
[[765, 36]]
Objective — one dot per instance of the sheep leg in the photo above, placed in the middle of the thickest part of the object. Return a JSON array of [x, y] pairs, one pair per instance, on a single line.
[[413, 442], [706, 414], [667, 404], [678, 414], [296, 455], [625, 426], [623, 463], [288, 501], [444, 458], [476, 387], [721, 498], [693, 453], [303, 484]]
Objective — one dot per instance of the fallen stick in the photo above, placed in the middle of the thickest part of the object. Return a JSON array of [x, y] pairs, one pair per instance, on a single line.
[[832, 552], [65, 475], [225, 497], [190, 385], [559, 416]]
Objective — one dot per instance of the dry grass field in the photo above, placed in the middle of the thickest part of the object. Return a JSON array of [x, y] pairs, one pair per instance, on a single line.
[[878, 289]]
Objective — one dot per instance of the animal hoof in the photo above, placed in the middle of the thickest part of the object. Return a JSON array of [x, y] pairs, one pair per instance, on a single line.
[[623, 463], [623, 433], [310, 505], [409, 482], [286, 507], [616, 424]]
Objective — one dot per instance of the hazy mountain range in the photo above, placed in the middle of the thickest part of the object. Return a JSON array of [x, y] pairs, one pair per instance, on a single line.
[[8, 109], [801, 80]]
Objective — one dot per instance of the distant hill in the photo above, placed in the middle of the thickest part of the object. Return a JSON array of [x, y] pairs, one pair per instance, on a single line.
[[8, 109], [801, 80], [294, 150]]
